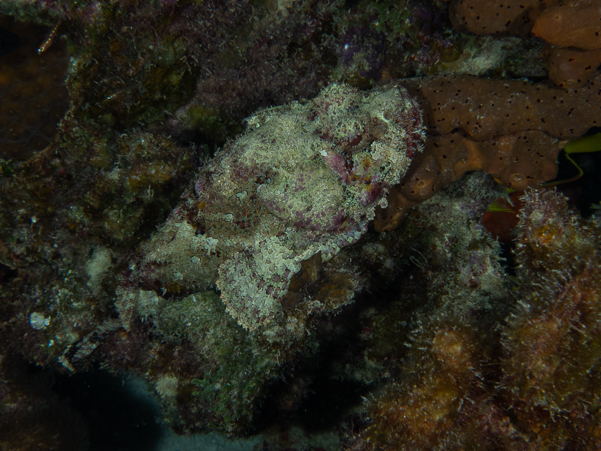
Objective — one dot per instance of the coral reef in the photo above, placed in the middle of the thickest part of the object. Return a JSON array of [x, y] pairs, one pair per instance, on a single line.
[[532, 382], [72, 215], [445, 232], [231, 371], [552, 353], [445, 391], [573, 67], [569, 24], [433, 341], [574, 32], [487, 108], [247, 286]]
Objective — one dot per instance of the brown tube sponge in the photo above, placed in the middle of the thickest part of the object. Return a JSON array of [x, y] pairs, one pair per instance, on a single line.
[[486, 108], [510, 129], [573, 68], [571, 26], [485, 17]]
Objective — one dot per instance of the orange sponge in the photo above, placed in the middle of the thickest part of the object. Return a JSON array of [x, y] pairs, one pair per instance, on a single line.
[[486, 108], [573, 68], [484, 17], [571, 25], [510, 129]]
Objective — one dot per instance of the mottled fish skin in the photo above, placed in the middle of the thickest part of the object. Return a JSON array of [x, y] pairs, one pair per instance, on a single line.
[[305, 179]]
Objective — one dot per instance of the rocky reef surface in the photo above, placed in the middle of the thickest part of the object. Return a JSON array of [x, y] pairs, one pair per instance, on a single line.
[[271, 212]]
